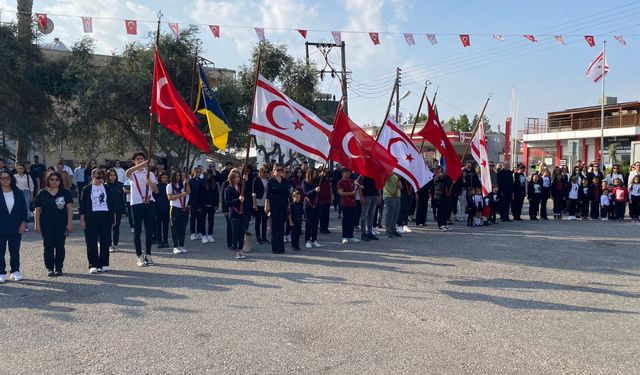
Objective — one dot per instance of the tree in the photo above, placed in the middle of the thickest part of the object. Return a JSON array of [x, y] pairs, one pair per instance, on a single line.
[[462, 123]]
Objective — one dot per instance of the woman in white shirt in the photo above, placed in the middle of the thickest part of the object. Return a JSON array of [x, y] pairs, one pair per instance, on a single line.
[[178, 191], [13, 221], [615, 173], [25, 184]]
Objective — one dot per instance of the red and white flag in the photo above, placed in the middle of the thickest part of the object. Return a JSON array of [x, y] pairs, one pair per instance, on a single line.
[[215, 30], [42, 20], [620, 39], [464, 38], [260, 33], [411, 165], [408, 37], [591, 41], [559, 39], [530, 37], [479, 152], [598, 68], [278, 118], [499, 37], [175, 29], [337, 37], [434, 133], [375, 38], [432, 39], [303, 33], [358, 151], [87, 24], [132, 27], [172, 111]]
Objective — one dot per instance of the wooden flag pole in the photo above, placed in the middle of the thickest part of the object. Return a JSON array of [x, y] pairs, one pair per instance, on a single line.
[[253, 108], [475, 129], [192, 103], [415, 121], [393, 92], [151, 122], [433, 102]]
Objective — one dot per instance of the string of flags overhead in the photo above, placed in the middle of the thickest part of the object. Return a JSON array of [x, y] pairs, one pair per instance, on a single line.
[[131, 28]]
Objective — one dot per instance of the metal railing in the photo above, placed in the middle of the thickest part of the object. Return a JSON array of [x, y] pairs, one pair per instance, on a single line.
[[537, 125]]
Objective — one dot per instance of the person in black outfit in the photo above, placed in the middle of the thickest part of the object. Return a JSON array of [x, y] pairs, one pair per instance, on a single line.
[[324, 200], [118, 205], [196, 222], [177, 193], [259, 192], [275, 205], [54, 220], [505, 184], [234, 199], [311, 208], [583, 198], [535, 196], [13, 215], [96, 219], [442, 190], [519, 192], [494, 203], [422, 206], [295, 220], [209, 201], [162, 212]]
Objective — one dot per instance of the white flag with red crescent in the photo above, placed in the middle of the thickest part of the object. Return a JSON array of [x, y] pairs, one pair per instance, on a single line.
[[278, 118], [411, 165], [479, 152], [87, 24], [598, 68]]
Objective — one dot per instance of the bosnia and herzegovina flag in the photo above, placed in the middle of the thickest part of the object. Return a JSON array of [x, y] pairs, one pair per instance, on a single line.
[[207, 105]]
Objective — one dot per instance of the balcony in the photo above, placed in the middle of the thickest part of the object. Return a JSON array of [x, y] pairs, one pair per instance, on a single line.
[[567, 123]]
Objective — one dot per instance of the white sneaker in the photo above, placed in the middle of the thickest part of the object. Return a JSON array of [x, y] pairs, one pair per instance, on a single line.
[[112, 249], [286, 239], [354, 240], [16, 276], [3, 278], [205, 239], [199, 236], [406, 229], [443, 229], [177, 251], [399, 230], [345, 241], [93, 270], [149, 261], [211, 239], [308, 245], [289, 238], [105, 269], [194, 237], [316, 244], [239, 255], [184, 251], [133, 230], [375, 231], [142, 262]]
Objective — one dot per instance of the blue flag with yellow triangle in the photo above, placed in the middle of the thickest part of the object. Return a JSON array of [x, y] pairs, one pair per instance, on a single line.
[[208, 105]]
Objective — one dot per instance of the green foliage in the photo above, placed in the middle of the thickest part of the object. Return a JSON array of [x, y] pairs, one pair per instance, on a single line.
[[462, 123]]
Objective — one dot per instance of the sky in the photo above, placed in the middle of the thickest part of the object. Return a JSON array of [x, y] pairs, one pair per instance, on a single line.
[[545, 75]]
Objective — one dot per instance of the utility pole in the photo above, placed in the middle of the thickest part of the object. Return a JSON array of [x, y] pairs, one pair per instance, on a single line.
[[325, 48], [398, 79]]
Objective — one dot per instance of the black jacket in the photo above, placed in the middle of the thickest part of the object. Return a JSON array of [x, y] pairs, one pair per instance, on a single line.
[[85, 201], [505, 182], [519, 184], [196, 185], [534, 190], [11, 221], [119, 199], [232, 200], [442, 185]]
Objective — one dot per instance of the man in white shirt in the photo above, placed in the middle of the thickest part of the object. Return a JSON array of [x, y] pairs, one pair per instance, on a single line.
[[143, 184], [78, 177], [67, 168], [119, 171]]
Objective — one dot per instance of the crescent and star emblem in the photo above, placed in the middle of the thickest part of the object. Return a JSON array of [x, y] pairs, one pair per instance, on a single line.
[[272, 107], [408, 157], [345, 145], [161, 83]]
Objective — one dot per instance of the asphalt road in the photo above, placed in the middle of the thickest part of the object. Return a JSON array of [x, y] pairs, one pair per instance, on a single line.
[[515, 298]]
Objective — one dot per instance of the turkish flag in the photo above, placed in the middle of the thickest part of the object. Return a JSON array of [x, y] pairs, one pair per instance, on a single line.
[[303, 33], [464, 38], [356, 150], [132, 27], [215, 30], [591, 41], [172, 111], [434, 133], [375, 38], [42, 20]]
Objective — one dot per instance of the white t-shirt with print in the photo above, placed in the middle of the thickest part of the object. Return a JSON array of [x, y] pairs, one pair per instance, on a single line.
[[99, 198]]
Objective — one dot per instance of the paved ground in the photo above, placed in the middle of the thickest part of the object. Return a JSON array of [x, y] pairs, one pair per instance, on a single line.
[[516, 298]]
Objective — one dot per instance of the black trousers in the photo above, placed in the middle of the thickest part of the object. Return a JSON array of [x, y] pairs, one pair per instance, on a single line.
[[196, 222], [558, 205], [543, 207], [324, 212], [53, 238], [179, 219], [311, 216], [143, 213], [619, 208], [505, 205], [403, 216], [296, 230], [229, 230], [260, 223], [422, 209], [604, 211], [516, 205], [348, 214], [357, 214], [115, 232], [584, 208], [534, 206], [278, 220], [208, 217], [130, 215], [443, 211], [595, 210], [238, 229], [13, 240], [162, 226], [98, 231], [573, 205], [634, 206]]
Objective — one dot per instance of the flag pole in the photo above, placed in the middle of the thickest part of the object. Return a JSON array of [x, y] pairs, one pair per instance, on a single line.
[[604, 65], [415, 121], [433, 103], [393, 92], [192, 103], [475, 129], [253, 108], [151, 122]]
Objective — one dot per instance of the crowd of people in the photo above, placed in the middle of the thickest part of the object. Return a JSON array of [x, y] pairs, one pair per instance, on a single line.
[[294, 203]]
